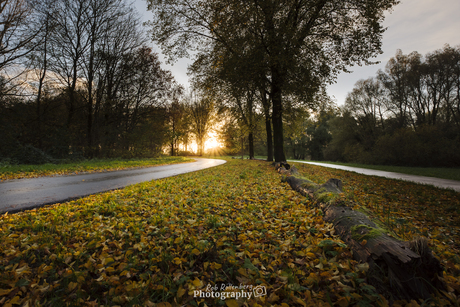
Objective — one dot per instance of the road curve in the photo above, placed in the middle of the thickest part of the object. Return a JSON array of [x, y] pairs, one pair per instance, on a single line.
[[21, 194], [437, 182]]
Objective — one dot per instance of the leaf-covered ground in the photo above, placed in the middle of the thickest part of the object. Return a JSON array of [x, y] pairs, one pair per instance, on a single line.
[[159, 243], [10, 171]]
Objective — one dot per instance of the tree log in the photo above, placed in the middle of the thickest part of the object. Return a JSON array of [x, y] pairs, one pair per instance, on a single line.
[[398, 270], [279, 165]]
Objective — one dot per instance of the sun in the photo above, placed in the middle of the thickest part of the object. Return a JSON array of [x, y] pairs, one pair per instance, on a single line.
[[212, 142]]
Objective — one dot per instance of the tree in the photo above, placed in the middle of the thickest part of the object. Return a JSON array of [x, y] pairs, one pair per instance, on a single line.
[[302, 44], [15, 33], [396, 79], [82, 44], [405, 116], [201, 113], [178, 125], [367, 103], [442, 67]]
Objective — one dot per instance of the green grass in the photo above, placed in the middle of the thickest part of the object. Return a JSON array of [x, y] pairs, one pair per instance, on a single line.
[[452, 173], [11, 171], [437, 172]]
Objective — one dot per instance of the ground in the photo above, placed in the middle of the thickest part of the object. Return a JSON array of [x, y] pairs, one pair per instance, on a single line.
[[235, 225]]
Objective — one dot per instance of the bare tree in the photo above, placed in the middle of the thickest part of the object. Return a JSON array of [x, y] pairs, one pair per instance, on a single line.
[[18, 31], [15, 35]]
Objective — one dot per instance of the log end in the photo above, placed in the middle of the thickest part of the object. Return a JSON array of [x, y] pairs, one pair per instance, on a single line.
[[333, 185]]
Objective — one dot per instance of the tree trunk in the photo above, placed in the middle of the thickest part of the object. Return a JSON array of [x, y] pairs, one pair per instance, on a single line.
[[251, 145], [277, 119], [268, 125], [398, 270], [40, 86]]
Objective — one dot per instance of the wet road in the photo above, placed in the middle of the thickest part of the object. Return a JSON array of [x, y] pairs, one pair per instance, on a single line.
[[437, 182], [21, 194]]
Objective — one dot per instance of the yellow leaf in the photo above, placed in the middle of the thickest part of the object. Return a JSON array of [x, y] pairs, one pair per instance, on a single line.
[[159, 287], [325, 274], [177, 261], [197, 283], [231, 303], [242, 271], [356, 296], [15, 300], [5, 291], [72, 286], [273, 298], [300, 301], [164, 304], [216, 266], [181, 291], [342, 302], [195, 252]]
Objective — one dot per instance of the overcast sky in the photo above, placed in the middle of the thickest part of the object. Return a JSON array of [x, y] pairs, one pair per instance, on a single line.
[[413, 25]]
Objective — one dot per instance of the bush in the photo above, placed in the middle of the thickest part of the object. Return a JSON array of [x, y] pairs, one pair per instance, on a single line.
[[426, 146], [29, 154]]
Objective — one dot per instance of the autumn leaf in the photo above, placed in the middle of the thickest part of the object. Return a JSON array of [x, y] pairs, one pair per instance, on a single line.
[[231, 303], [151, 243]]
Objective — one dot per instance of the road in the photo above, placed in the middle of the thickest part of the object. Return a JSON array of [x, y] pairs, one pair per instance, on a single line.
[[21, 194], [437, 182]]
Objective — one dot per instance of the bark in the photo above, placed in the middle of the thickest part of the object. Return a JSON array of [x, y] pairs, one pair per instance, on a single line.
[[398, 270], [41, 82], [268, 125], [251, 145], [277, 118]]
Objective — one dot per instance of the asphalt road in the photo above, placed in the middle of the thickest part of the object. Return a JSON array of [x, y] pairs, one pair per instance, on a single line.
[[437, 182], [22, 194]]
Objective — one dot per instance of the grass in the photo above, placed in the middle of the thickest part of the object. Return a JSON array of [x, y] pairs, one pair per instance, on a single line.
[[159, 243], [437, 172], [452, 173], [11, 171]]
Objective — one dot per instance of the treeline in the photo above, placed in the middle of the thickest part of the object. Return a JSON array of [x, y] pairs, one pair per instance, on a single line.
[[77, 80], [408, 114]]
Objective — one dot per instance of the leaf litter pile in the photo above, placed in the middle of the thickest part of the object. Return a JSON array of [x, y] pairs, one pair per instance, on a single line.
[[232, 235]]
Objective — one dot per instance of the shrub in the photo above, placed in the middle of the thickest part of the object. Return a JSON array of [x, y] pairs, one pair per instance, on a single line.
[[29, 154]]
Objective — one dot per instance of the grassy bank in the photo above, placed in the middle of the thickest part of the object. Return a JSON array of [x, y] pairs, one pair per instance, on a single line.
[[11, 171], [437, 172], [452, 173], [160, 243]]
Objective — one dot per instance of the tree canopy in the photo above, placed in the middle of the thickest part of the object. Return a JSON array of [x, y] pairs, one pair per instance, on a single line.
[[291, 47]]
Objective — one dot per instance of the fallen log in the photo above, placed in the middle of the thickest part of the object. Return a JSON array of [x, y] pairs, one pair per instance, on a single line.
[[398, 270], [279, 165]]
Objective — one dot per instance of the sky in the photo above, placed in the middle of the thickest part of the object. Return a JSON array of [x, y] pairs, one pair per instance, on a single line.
[[413, 25]]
